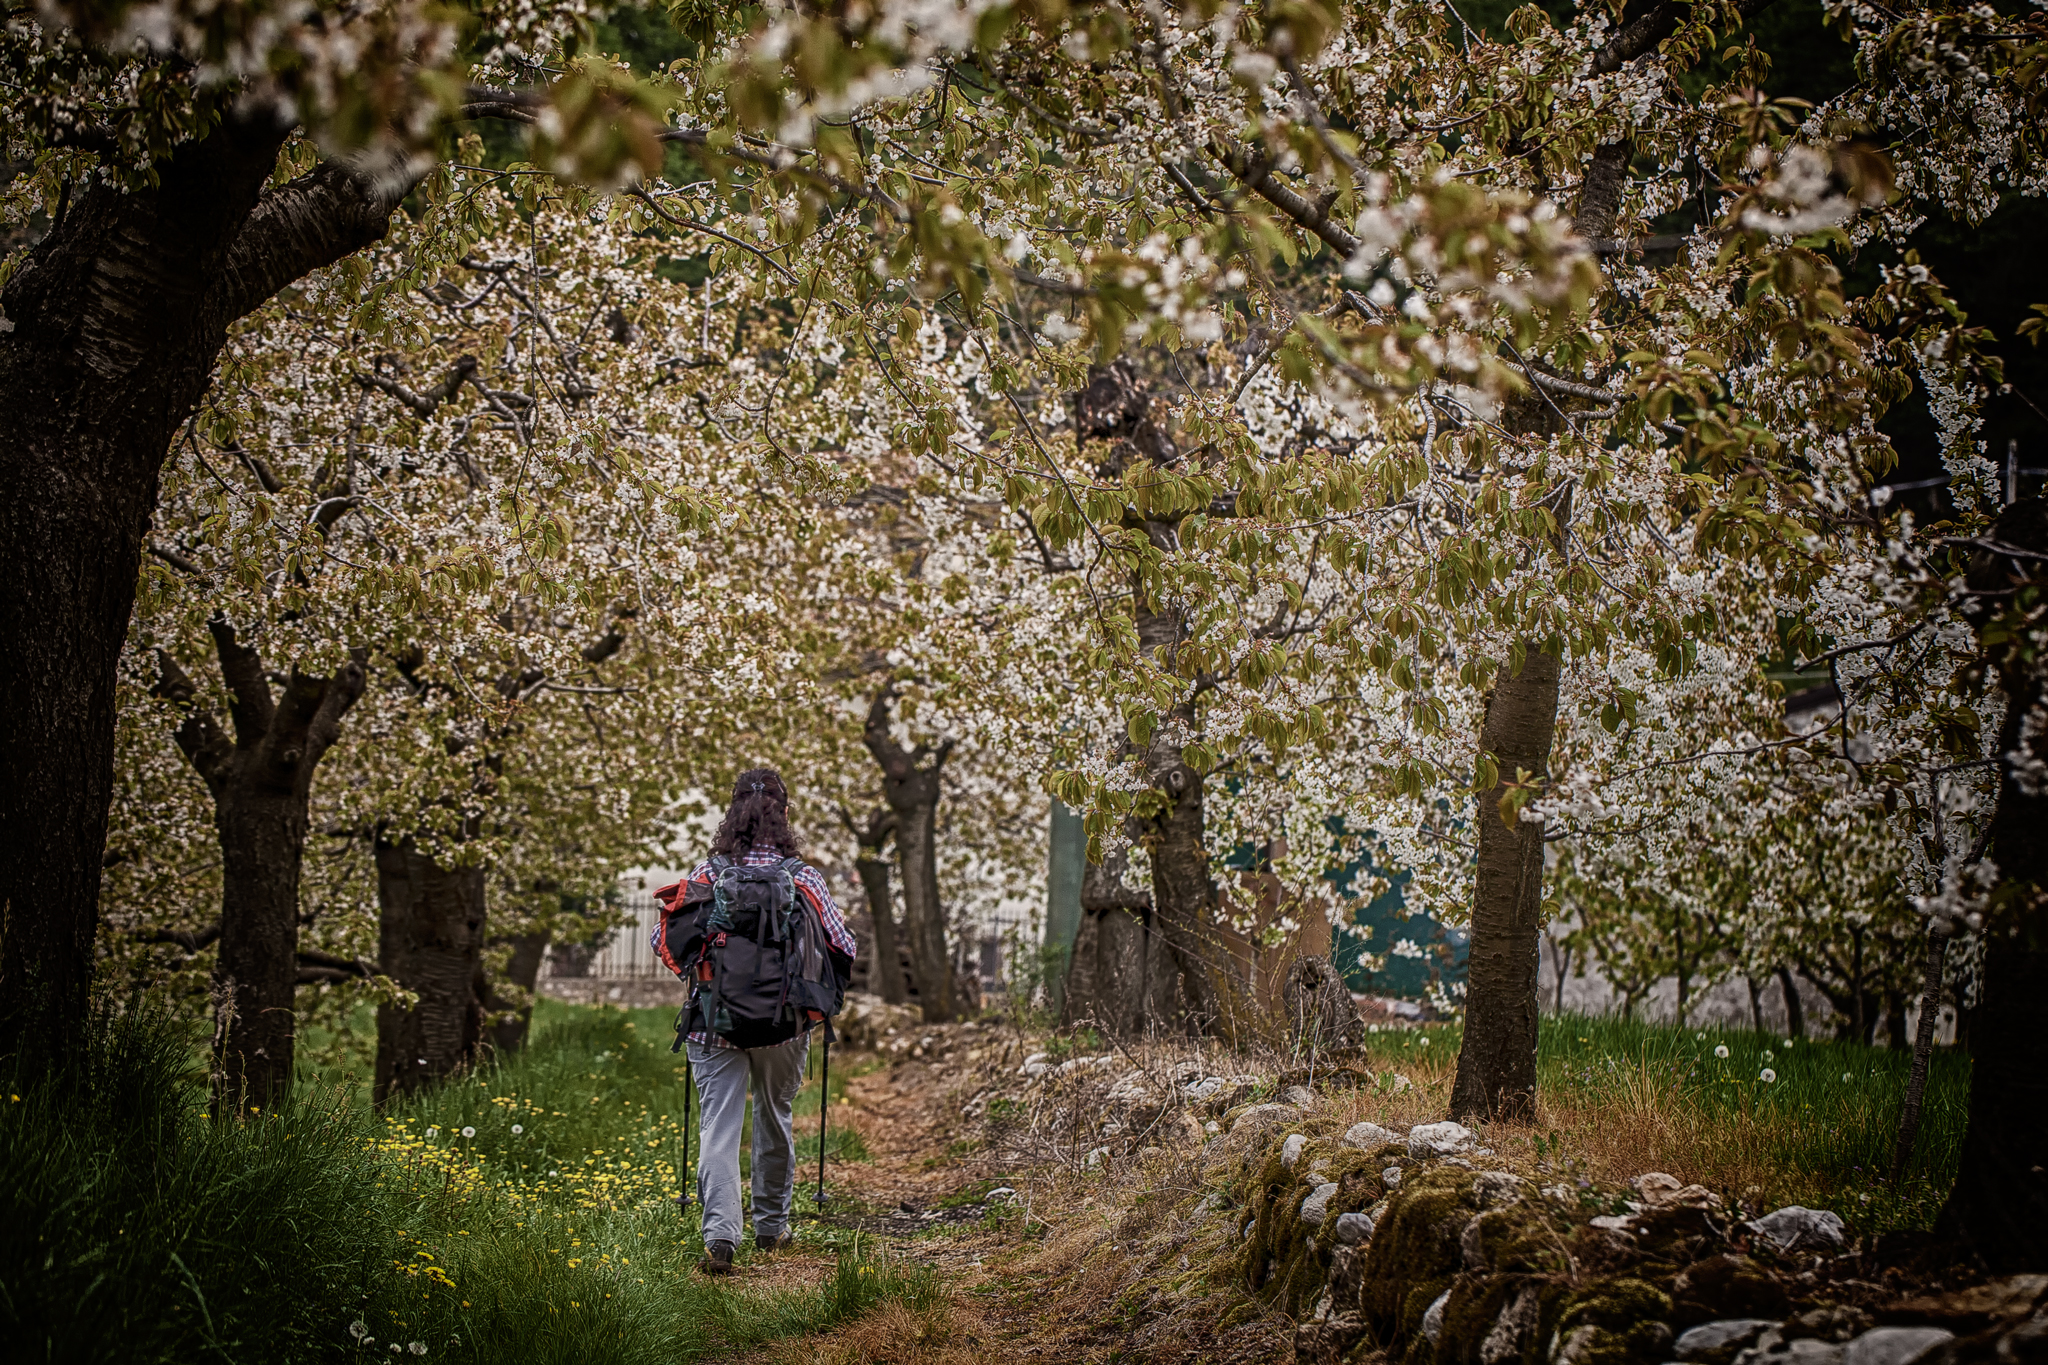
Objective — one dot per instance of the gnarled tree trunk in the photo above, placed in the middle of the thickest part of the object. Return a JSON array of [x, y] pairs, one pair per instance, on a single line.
[[117, 318], [261, 780], [432, 938], [911, 786], [1121, 979]]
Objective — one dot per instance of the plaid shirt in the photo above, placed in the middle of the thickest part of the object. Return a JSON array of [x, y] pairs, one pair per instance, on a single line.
[[809, 881]]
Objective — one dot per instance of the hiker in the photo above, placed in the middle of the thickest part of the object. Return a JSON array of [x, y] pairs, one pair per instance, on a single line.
[[766, 954]]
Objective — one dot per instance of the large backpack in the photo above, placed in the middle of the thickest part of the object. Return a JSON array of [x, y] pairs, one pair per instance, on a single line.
[[754, 958]]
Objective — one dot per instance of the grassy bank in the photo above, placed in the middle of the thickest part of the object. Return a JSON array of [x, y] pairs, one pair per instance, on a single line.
[[1809, 1121], [526, 1212]]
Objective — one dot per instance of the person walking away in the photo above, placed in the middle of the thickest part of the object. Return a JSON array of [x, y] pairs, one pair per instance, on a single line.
[[766, 954]]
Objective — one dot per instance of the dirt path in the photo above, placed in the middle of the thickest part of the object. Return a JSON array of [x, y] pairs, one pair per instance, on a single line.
[[1023, 1281]]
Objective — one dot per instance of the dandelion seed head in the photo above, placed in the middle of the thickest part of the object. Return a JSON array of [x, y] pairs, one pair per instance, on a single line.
[[517, 1129], [469, 1132], [1848, 1076], [359, 1329], [1721, 1051], [1767, 1076]]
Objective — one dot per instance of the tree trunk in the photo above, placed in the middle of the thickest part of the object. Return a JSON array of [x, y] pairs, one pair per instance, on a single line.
[[911, 786], [432, 936], [1678, 930], [1999, 1206], [1116, 409], [1184, 898], [1118, 980], [924, 919], [887, 976], [1756, 1003], [1895, 1020], [1795, 1011], [1497, 1061], [118, 316], [1923, 1050], [261, 781], [511, 1014]]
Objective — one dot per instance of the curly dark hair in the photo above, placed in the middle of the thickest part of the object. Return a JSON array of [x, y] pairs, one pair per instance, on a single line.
[[758, 817]]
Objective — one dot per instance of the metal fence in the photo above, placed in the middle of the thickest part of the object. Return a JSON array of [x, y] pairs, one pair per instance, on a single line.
[[627, 955]]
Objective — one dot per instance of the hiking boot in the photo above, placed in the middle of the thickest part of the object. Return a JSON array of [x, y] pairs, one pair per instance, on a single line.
[[717, 1259], [779, 1241]]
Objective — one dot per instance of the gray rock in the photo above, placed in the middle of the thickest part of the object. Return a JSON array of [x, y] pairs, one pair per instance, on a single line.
[[1800, 1229], [1391, 1177], [1440, 1139], [1895, 1345], [1299, 1096], [1717, 1342], [1316, 1208], [1433, 1317], [1495, 1189], [1803, 1351], [1366, 1136], [2026, 1344], [1291, 1150], [1353, 1228]]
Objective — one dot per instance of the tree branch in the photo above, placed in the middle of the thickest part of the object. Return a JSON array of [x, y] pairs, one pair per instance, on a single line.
[[1257, 174], [191, 942], [199, 737], [334, 210], [249, 700]]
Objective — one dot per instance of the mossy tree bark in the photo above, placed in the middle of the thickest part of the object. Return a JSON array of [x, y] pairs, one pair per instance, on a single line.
[[912, 784], [1999, 1206], [432, 938], [261, 781]]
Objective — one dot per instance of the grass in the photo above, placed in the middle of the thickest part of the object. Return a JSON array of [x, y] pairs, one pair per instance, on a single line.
[[133, 1227], [1618, 1097]]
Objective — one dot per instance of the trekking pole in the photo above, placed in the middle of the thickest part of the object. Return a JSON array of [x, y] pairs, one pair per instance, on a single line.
[[824, 1099], [689, 1102]]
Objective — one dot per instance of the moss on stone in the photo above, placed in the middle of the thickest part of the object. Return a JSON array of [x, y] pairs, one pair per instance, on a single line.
[[1518, 1238], [1415, 1244], [1469, 1314], [1626, 1317]]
